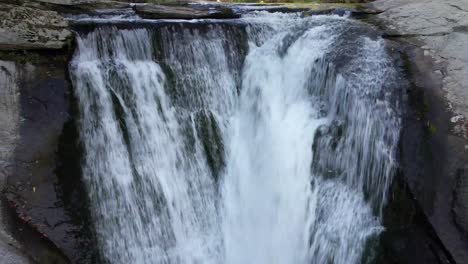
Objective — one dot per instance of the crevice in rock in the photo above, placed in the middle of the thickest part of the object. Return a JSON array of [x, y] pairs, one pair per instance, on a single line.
[[397, 35], [457, 7]]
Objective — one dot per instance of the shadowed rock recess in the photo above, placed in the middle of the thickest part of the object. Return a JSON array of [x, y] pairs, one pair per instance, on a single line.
[[41, 170], [233, 133]]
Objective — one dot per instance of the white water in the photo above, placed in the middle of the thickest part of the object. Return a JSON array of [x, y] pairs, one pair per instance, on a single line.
[[196, 155]]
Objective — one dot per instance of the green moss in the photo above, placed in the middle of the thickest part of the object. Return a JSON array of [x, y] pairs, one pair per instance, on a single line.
[[35, 56], [210, 136], [431, 128], [21, 57]]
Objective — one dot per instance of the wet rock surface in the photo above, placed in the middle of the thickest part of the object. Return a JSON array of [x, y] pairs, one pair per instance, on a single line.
[[408, 237], [432, 154], [44, 207], [42, 174], [434, 140], [460, 207]]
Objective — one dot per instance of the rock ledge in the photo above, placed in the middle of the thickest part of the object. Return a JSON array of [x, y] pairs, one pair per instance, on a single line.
[[29, 28]]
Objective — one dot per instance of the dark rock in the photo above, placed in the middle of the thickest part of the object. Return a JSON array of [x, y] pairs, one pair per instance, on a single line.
[[331, 11], [38, 189], [156, 11], [434, 140], [431, 154], [36, 245], [460, 206], [210, 136], [277, 9], [78, 6], [429, 157], [408, 236]]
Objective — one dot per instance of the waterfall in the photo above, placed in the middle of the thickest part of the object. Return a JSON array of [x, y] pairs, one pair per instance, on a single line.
[[269, 139]]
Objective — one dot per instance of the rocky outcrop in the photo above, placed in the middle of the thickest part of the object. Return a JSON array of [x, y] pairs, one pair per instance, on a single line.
[[42, 203], [69, 2], [442, 28], [29, 28], [434, 144], [156, 11], [77, 6], [36, 184], [35, 187], [10, 250]]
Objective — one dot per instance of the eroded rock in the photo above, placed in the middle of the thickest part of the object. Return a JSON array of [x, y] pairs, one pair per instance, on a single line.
[[30, 28]]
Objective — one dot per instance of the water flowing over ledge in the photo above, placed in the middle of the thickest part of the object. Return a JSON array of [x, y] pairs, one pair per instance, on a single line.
[[268, 140]]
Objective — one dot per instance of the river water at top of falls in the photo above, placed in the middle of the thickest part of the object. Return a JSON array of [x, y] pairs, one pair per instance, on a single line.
[[271, 140]]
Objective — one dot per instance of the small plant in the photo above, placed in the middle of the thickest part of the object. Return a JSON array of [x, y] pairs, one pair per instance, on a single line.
[[431, 128]]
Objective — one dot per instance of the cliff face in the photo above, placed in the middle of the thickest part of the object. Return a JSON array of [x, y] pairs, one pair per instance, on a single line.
[[40, 178], [35, 103], [43, 202], [434, 144], [9, 118]]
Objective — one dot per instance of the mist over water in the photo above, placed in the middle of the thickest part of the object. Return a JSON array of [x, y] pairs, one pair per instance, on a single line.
[[270, 140]]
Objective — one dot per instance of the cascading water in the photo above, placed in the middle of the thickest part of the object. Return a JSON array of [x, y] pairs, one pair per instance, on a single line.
[[270, 139]]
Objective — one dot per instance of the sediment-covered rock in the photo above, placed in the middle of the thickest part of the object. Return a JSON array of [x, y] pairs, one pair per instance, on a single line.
[[29, 28]]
